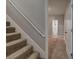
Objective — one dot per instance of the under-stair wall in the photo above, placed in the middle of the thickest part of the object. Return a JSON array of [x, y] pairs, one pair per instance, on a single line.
[[26, 26]]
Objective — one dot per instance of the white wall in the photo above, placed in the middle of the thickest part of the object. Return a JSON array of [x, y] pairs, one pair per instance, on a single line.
[[68, 28], [35, 10], [56, 7], [38, 17], [60, 24]]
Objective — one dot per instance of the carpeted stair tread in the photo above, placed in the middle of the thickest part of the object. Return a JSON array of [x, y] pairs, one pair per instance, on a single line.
[[10, 29], [13, 36], [20, 52], [15, 42], [7, 23], [34, 55], [14, 46]]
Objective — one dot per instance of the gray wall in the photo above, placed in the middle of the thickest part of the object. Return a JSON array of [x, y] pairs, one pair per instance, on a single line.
[[60, 24], [35, 10], [38, 17]]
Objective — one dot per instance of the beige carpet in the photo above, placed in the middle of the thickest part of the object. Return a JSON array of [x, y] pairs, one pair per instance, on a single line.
[[57, 48]]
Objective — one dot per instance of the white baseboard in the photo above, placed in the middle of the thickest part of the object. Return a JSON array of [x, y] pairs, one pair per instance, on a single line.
[[27, 37]]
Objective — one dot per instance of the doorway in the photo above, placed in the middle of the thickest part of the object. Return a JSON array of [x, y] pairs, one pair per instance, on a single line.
[[54, 27]]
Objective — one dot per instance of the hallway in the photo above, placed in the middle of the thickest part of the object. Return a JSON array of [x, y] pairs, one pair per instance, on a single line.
[[57, 48]]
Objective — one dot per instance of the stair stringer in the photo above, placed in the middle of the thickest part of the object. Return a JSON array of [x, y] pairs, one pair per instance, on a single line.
[[27, 37]]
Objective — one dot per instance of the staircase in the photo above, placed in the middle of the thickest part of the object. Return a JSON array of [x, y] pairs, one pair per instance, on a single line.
[[16, 47]]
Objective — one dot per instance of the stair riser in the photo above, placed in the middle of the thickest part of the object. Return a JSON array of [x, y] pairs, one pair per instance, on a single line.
[[15, 47], [7, 23], [13, 37], [10, 30], [26, 54]]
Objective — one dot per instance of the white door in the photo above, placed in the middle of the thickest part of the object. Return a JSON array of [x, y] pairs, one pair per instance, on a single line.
[[55, 27]]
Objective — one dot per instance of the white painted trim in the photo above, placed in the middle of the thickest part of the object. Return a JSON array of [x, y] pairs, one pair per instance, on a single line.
[[28, 19], [46, 28], [65, 43], [27, 37]]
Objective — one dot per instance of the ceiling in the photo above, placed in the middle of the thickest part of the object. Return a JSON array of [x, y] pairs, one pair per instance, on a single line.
[[56, 7]]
